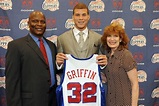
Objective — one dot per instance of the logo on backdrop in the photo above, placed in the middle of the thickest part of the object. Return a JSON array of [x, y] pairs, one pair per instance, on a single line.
[[141, 93], [72, 3], [96, 23], [155, 24], [155, 93], [4, 23], [139, 57], [3, 100], [156, 104], [156, 5], [156, 76], [138, 40], [51, 24], [4, 41], [24, 24], [156, 40], [139, 6], [51, 5], [2, 62], [120, 21], [69, 23], [27, 4], [2, 82], [6, 4], [53, 39], [155, 58], [142, 76], [97, 6], [138, 24], [117, 5]]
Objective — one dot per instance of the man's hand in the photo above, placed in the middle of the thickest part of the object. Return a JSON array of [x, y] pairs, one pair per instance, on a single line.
[[102, 60], [60, 57]]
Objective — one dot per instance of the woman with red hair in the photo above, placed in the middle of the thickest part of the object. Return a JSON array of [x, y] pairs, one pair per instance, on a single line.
[[121, 70]]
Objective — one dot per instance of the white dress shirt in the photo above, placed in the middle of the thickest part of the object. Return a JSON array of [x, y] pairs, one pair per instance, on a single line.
[[76, 33]]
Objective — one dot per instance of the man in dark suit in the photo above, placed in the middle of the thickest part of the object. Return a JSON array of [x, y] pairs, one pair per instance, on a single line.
[[68, 42], [30, 79]]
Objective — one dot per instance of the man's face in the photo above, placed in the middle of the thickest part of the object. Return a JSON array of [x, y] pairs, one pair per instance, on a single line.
[[81, 18], [37, 24]]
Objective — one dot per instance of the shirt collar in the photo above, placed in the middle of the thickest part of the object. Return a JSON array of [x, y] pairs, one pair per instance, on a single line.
[[36, 39], [76, 31]]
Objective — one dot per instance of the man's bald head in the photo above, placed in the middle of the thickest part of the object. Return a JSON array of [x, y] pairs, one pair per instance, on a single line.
[[37, 23]]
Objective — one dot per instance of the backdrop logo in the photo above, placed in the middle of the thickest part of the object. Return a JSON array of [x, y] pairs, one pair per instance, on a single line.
[[2, 82], [155, 58], [157, 74], [51, 5], [155, 24], [96, 23], [138, 57], [3, 101], [4, 22], [139, 6], [120, 21], [53, 39], [117, 4], [156, 38], [72, 3], [141, 92], [6, 4], [138, 40], [137, 22], [142, 76], [2, 61], [155, 93], [97, 6], [156, 4], [27, 4], [24, 24], [69, 23], [51, 22], [156, 104], [4, 41]]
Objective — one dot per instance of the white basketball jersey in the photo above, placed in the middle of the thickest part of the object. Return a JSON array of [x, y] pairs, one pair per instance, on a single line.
[[81, 83]]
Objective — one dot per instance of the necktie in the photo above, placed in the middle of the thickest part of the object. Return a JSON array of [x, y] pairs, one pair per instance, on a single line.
[[43, 50], [81, 39]]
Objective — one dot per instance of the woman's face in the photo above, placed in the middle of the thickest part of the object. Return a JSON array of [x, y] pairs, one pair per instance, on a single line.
[[113, 40]]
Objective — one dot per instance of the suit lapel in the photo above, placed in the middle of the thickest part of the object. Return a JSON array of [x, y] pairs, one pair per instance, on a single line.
[[32, 44]]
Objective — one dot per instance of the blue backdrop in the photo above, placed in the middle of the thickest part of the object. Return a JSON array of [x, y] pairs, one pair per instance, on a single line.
[[140, 18]]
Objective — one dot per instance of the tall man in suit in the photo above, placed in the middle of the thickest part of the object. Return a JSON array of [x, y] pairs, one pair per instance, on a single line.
[[68, 42], [30, 80]]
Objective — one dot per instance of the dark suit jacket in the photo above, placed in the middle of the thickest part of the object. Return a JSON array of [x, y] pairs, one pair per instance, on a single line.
[[27, 74]]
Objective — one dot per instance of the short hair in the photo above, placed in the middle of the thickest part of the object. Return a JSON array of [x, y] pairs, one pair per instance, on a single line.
[[36, 12], [117, 28], [80, 6]]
